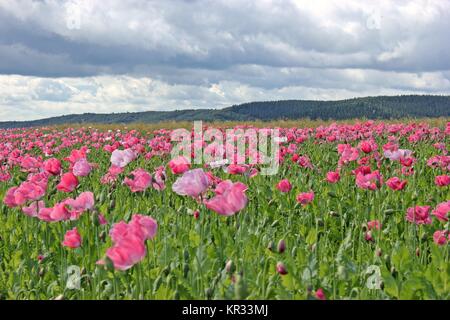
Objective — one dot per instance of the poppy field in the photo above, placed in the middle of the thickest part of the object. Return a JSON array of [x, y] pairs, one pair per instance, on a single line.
[[352, 211]]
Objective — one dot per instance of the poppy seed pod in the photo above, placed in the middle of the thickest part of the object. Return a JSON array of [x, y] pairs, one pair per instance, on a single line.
[[230, 267]]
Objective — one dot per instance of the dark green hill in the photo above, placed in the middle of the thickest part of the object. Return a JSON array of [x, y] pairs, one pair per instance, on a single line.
[[381, 107]]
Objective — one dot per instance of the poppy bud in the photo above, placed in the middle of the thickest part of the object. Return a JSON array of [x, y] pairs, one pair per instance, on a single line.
[[281, 246], [229, 266], [281, 269], [270, 246], [102, 236], [378, 252], [196, 214]]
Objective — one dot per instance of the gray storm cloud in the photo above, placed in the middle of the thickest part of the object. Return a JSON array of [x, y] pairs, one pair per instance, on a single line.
[[59, 57]]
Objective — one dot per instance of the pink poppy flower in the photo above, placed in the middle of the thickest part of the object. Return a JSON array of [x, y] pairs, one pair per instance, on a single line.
[[179, 165], [82, 168], [284, 186], [396, 184], [58, 213], [236, 169], [44, 214], [320, 294], [305, 197], [192, 183], [159, 179], [253, 172], [333, 176], [112, 174], [230, 198], [369, 181], [397, 154], [129, 241], [118, 231], [120, 158], [85, 201], [374, 224], [127, 253], [367, 146], [68, 182], [10, 199], [348, 153], [440, 237], [52, 166], [140, 182], [76, 155], [442, 181], [72, 239], [33, 209], [442, 210], [143, 226], [419, 215]]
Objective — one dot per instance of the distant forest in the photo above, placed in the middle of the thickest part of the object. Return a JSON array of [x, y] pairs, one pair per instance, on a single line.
[[381, 107]]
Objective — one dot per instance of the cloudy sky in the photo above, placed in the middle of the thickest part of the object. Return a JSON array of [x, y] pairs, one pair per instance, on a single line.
[[61, 57]]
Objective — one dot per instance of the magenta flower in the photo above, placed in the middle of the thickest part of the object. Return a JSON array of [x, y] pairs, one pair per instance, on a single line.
[[396, 184], [52, 166], [305, 197], [68, 182], [442, 210], [284, 185], [230, 198], [85, 201], [333, 177], [440, 237], [82, 168], [192, 183], [33, 209], [396, 155], [179, 165], [140, 182], [129, 241], [419, 215], [370, 181], [442, 181], [72, 239], [320, 294]]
